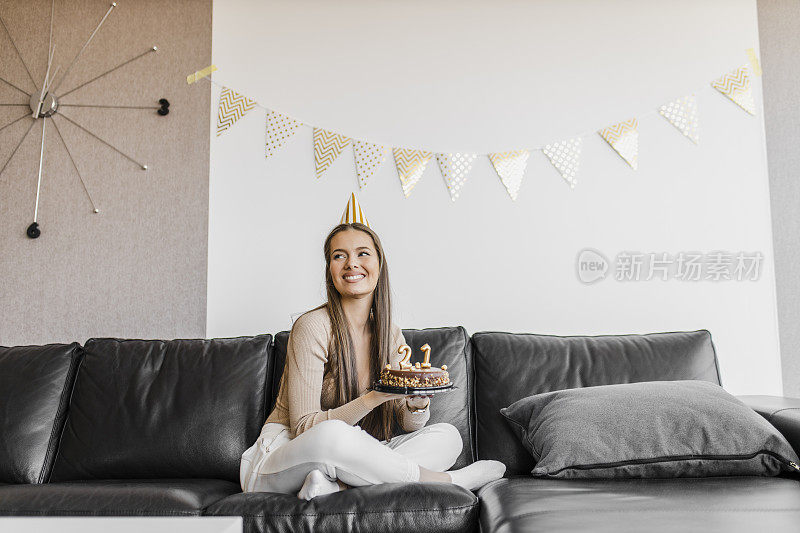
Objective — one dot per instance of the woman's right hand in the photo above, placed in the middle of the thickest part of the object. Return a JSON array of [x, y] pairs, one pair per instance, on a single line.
[[375, 398]]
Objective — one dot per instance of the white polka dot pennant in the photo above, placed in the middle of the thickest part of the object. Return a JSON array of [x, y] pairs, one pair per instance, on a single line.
[[327, 147], [410, 166], [624, 138], [455, 167], [682, 113], [736, 86], [566, 157], [368, 157], [279, 129], [510, 166]]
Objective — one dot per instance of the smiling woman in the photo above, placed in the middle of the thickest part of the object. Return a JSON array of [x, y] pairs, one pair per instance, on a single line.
[[308, 444]]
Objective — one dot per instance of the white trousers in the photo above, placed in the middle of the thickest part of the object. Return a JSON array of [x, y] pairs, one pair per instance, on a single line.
[[276, 463]]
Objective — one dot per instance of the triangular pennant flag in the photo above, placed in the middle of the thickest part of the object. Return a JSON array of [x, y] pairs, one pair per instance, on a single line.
[[566, 157], [624, 138], [682, 113], [353, 213], [455, 168], [368, 157], [327, 147], [510, 166], [279, 129], [410, 165], [232, 107], [736, 86]]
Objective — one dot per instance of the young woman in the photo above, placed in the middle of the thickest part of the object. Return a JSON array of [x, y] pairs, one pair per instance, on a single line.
[[326, 431]]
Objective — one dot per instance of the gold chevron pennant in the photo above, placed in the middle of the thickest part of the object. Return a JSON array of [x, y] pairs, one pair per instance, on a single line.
[[736, 86], [455, 168], [232, 107], [624, 138], [368, 158], [353, 212], [566, 157], [682, 113], [279, 129], [410, 166], [510, 166], [327, 147]]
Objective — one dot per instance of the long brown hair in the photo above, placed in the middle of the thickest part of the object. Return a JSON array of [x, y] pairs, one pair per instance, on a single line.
[[378, 422]]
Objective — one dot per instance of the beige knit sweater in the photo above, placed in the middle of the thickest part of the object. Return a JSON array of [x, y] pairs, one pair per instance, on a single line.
[[306, 395]]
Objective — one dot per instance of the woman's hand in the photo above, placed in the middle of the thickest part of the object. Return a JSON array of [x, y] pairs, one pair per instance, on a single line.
[[375, 398], [418, 401]]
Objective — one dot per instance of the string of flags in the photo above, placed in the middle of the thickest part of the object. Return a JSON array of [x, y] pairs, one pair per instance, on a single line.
[[564, 155]]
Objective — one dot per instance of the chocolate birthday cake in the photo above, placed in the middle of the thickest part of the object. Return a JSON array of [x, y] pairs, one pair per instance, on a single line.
[[416, 375]]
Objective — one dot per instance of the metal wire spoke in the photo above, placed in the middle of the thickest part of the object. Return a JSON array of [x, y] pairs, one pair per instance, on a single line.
[[18, 145], [111, 106], [13, 122], [14, 86], [64, 76], [94, 208], [143, 166], [20, 56], [153, 49]]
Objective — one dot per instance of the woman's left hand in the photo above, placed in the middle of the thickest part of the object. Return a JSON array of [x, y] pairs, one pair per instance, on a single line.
[[418, 401]]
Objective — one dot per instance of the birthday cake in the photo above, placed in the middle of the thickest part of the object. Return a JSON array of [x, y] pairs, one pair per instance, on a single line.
[[421, 374]]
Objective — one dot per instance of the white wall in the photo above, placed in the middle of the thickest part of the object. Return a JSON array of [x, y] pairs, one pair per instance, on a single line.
[[482, 77]]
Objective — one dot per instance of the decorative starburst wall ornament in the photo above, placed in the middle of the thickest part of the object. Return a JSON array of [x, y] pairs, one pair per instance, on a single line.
[[44, 104]]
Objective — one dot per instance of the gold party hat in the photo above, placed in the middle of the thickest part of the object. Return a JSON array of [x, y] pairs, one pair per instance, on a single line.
[[353, 212]]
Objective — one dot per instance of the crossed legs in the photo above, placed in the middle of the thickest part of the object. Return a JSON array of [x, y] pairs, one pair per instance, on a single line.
[[356, 458]]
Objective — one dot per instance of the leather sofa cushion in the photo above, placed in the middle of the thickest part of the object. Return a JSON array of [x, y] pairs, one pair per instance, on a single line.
[[417, 507], [148, 409], [115, 497], [449, 346], [35, 384], [512, 366], [711, 505], [781, 412]]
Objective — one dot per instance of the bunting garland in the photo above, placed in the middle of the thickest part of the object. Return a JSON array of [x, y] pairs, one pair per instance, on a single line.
[[736, 86], [510, 166], [279, 129], [410, 166], [682, 113], [232, 107], [368, 157], [624, 138], [455, 168], [565, 156], [327, 147]]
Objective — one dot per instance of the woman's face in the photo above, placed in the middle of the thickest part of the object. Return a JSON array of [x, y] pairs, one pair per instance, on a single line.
[[354, 263]]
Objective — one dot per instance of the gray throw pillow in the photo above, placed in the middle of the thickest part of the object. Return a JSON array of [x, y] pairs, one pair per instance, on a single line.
[[654, 429]]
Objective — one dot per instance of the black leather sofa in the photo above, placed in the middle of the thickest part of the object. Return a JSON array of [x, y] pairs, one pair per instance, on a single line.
[[149, 427]]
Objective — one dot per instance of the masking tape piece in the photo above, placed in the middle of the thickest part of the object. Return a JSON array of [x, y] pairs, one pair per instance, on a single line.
[[751, 54], [200, 74]]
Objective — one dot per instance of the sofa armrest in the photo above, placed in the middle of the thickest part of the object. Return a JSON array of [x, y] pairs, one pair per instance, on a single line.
[[780, 411]]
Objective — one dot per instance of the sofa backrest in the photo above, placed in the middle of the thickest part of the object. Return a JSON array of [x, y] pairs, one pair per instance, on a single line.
[[185, 408], [512, 366], [449, 346], [35, 384]]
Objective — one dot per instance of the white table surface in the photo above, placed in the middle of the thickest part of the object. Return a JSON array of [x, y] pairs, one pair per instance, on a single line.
[[121, 524]]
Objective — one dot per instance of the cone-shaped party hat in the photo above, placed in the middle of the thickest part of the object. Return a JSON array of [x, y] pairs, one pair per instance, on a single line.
[[353, 212]]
